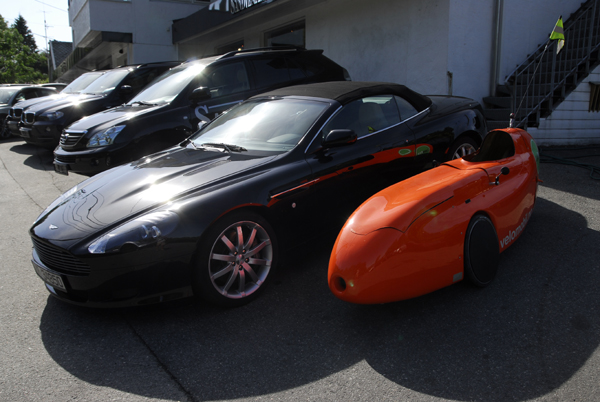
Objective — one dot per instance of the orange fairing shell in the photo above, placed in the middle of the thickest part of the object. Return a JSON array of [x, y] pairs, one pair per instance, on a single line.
[[408, 240]]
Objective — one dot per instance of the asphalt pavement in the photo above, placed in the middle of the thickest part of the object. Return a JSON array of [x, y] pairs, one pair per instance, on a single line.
[[532, 335]]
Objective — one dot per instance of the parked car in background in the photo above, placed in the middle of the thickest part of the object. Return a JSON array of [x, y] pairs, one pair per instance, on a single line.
[[74, 88], [59, 86], [43, 123], [11, 94], [208, 215], [170, 109]]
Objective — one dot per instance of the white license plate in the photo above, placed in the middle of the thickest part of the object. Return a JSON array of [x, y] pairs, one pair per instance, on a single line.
[[48, 277]]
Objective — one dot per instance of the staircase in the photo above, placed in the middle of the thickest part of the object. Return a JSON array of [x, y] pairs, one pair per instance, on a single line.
[[544, 80]]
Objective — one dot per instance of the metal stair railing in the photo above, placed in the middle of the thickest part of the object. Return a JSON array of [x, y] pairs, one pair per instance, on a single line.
[[544, 80]]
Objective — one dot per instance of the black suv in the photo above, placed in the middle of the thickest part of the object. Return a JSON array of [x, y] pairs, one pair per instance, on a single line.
[[12, 94], [171, 108], [42, 124], [13, 121]]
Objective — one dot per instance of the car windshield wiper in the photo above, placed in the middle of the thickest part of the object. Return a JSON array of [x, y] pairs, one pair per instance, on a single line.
[[227, 147], [142, 103]]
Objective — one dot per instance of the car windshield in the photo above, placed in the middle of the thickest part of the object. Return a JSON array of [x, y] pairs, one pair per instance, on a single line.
[[107, 82], [168, 85], [262, 125], [6, 93], [81, 82]]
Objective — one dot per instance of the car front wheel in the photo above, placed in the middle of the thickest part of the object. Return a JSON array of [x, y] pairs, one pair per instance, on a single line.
[[235, 260], [462, 147]]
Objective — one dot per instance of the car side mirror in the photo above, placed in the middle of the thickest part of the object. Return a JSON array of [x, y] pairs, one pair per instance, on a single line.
[[126, 90], [200, 94], [503, 172], [339, 137]]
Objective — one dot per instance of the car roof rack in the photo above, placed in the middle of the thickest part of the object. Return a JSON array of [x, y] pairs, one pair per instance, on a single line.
[[261, 49]]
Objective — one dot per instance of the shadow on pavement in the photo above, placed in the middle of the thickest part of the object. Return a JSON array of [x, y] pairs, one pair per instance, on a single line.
[[40, 159], [526, 334]]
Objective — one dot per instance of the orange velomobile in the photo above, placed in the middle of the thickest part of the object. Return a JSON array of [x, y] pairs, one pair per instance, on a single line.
[[435, 228]]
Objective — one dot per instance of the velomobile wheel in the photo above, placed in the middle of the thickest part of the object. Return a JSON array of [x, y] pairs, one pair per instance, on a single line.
[[481, 251], [235, 260]]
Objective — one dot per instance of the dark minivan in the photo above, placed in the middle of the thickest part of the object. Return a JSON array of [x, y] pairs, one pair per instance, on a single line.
[[171, 108], [42, 124]]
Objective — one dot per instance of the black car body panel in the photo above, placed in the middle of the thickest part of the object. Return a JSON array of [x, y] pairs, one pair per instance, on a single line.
[[294, 174], [42, 124], [149, 128]]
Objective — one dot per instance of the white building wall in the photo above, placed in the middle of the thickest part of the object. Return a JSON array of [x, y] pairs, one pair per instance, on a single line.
[[571, 123], [387, 40], [471, 37], [149, 22]]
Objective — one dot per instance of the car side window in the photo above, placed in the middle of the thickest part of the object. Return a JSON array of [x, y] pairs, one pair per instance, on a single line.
[[271, 71], [365, 116], [226, 79], [406, 109], [140, 78]]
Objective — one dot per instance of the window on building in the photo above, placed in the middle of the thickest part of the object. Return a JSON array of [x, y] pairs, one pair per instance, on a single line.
[[293, 34], [594, 97]]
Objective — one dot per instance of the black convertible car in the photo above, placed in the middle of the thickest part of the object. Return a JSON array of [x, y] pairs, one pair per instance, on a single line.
[[212, 215]]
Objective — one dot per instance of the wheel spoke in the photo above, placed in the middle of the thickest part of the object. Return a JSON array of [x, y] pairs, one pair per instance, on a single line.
[[258, 248], [250, 239], [222, 272], [223, 257], [242, 284], [240, 235], [251, 272], [231, 280], [228, 243], [259, 261]]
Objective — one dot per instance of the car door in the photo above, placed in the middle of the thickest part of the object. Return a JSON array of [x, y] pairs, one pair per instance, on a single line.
[[383, 153]]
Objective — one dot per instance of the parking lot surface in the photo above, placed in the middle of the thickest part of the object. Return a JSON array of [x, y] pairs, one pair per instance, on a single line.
[[533, 334]]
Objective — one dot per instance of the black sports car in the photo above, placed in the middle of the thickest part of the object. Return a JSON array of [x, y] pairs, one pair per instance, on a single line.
[[208, 216]]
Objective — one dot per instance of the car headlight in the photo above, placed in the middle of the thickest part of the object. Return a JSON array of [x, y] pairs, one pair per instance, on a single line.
[[140, 232], [105, 137], [52, 115]]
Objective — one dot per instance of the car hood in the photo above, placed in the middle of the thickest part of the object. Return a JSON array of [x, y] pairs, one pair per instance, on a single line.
[[62, 103], [112, 197], [34, 101], [113, 117]]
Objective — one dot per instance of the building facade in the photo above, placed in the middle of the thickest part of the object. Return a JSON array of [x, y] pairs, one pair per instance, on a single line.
[[455, 47]]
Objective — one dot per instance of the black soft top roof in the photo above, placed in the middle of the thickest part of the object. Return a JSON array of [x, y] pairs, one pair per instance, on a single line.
[[347, 91]]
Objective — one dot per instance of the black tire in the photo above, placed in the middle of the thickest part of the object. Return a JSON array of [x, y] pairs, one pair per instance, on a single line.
[[231, 270], [461, 147], [481, 251], [4, 131]]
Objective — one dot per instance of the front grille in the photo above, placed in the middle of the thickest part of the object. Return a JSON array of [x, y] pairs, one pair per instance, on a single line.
[[16, 112], [59, 260], [28, 117], [65, 158], [70, 138]]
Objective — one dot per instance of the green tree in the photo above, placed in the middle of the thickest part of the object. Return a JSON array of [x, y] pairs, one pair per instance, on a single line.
[[21, 26], [17, 62]]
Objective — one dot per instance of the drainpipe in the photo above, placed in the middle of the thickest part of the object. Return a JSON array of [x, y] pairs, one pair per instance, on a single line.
[[496, 47]]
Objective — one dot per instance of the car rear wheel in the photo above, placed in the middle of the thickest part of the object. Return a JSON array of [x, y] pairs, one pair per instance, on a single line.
[[462, 147], [481, 251], [236, 259]]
